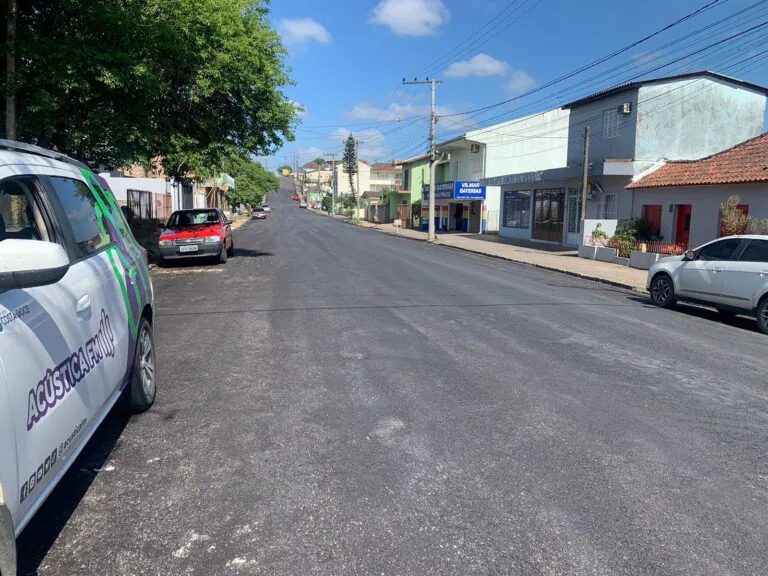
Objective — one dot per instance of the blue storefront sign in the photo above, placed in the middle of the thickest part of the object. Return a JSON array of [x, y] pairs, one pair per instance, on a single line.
[[456, 190]]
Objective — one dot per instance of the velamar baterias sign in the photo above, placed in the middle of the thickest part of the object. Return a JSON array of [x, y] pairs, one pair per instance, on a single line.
[[456, 190]]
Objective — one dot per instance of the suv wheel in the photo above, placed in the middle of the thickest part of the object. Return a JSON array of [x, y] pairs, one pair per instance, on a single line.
[[139, 395], [762, 315], [662, 291]]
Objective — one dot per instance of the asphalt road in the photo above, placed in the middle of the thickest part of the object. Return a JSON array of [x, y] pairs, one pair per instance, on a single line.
[[337, 401]]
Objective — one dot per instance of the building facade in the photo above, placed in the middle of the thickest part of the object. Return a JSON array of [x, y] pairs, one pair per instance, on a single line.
[[632, 128]]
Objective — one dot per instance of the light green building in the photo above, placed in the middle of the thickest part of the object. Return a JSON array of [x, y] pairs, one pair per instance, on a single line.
[[415, 174]]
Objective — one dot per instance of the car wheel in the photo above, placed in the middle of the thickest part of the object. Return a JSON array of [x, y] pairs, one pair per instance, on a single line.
[[139, 395], [762, 315], [223, 255], [231, 251], [662, 291]]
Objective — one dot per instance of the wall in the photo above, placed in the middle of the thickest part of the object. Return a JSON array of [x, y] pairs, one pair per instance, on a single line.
[[705, 200], [695, 117], [343, 179], [600, 148], [120, 186], [493, 203], [466, 164], [528, 144]]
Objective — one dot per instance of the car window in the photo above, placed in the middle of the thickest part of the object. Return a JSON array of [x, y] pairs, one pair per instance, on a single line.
[[721, 250], [20, 217], [194, 218], [80, 207], [756, 251]]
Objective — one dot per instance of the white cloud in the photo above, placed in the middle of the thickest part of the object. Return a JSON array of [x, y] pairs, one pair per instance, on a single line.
[[302, 31], [309, 154], [480, 65], [448, 119], [411, 17], [520, 82]]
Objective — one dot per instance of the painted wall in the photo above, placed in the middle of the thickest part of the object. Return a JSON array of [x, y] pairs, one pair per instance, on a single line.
[[343, 179], [120, 186], [528, 144], [493, 204], [468, 165], [705, 200], [695, 117], [601, 146]]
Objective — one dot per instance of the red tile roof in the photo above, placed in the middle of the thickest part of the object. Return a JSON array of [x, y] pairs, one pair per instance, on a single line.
[[385, 167], [744, 163]]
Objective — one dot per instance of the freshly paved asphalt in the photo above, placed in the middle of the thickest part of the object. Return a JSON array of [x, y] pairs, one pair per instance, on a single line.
[[338, 401]]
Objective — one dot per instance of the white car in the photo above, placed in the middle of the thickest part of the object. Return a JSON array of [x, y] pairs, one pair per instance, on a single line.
[[730, 274], [267, 208], [76, 314]]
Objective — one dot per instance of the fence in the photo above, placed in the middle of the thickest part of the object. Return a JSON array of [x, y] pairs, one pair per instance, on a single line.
[[625, 247]]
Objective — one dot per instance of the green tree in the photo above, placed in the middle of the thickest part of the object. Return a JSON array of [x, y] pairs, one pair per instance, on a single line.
[[327, 203], [252, 182], [113, 82], [349, 163], [320, 162]]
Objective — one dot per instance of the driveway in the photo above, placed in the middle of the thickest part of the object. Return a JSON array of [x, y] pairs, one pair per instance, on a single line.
[[338, 401]]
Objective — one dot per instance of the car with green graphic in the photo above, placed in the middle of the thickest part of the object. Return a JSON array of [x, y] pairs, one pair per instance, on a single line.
[[76, 316]]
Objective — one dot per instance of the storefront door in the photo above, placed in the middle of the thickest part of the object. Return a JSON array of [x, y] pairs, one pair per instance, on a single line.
[[683, 224], [549, 209]]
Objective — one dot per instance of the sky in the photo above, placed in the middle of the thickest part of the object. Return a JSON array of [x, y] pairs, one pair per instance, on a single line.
[[348, 59]]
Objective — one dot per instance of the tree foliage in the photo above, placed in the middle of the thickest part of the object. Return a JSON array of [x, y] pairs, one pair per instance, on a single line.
[[733, 220], [349, 162], [252, 181], [115, 81]]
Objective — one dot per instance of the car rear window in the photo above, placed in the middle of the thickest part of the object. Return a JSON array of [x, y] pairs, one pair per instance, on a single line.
[[756, 251], [194, 218]]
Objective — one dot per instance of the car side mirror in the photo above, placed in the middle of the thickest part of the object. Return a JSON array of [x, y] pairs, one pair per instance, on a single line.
[[690, 255], [30, 263]]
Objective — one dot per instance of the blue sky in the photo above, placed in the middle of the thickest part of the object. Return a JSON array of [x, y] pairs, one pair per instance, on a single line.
[[348, 58]]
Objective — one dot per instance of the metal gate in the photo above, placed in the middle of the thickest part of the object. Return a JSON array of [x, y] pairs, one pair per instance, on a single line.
[[139, 205], [404, 213], [549, 209], [187, 200]]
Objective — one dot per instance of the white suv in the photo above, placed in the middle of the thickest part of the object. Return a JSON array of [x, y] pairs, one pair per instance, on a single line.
[[76, 336], [730, 274]]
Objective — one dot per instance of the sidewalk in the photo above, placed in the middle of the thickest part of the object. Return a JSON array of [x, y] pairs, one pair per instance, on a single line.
[[549, 257]]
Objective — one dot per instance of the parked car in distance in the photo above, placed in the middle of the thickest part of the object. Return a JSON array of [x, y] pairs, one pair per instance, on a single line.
[[76, 317], [730, 274], [197, 233], [295, 197], [302, 204], [266, 207], [259, 213]]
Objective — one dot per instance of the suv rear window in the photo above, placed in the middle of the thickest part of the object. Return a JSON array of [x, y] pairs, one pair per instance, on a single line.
[[756, 251], [194, 217]]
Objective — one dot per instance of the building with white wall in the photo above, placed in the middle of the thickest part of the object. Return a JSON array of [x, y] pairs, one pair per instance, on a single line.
[[632, 128]]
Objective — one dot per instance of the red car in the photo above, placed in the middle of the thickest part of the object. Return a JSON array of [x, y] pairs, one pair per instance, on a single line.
[[295, 197], [200, 233]]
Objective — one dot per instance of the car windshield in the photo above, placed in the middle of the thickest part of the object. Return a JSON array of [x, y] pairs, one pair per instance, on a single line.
[[265, 206], [258, 209], [193, 218]]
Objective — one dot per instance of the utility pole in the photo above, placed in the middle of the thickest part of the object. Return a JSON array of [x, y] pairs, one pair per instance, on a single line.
[[432, 152], [10, 67], [359, 194], [334, 185], [584, 183]]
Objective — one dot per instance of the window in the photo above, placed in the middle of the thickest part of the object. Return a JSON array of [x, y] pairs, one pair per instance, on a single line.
[[574, 210], [607, 207], [611, 124], [20, 219], [721, 250], [756, 251], [454, 170], [652, 213], [79, 204], [406, 179], [194, 218], [517, 209]]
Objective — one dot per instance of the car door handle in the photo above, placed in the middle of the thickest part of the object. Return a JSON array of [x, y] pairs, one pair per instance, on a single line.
[[764, 273], [84, 306], [719, 269]]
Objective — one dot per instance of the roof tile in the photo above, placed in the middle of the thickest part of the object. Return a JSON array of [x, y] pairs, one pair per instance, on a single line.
[[745, 163]]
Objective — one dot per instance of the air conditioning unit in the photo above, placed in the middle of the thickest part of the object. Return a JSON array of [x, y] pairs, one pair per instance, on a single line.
[[626, 108], [474, 148]]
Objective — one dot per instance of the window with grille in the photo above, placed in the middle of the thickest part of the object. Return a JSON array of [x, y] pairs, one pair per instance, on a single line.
[[477, 167], [607, 208], [611, 124], [517, 209]]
